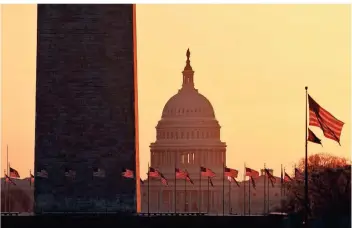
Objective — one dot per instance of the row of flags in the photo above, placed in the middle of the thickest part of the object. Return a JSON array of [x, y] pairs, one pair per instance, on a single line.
[[97, 172], [231, 175]]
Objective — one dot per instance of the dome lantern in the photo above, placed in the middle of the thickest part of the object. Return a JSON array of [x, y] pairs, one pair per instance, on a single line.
[[188, 73]]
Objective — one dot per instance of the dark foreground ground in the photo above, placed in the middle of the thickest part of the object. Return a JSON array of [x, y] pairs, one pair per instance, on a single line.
[[100, 221]]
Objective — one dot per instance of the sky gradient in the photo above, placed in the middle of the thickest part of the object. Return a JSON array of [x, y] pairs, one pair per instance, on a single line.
[[251, 61]]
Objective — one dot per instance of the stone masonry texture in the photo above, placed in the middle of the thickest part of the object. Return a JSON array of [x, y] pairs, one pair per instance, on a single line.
[[85, 108]]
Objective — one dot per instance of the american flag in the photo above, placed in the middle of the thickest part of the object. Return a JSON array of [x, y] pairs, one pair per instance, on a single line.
[[287, 178], [163, 179], [205, 172], [251, 173], [31, 178], [313, 138], [188, 178], [253, 182], [14, 173], [180, 174], [98, 172], [153, 172], [70, 173], [42, 173], [270, 176], [319, 117], [127, 173], [210, 182], [9, 180], [183, 174], [231, 179], [230, 172]]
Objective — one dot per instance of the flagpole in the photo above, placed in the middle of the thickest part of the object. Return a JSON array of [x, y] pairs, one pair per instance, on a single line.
[[185, 193], [175, 185], [249, 196], [306, 162], [148, 186], [283, 181], [268, 204], [5, 183], [159, 199], [200, 190], [8, 190], [208, 195], [8, 186], [223, 187], [244, 190], [229, 197], [264, 190]]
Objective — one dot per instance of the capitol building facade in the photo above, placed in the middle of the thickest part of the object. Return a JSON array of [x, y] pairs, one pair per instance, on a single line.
[[188, 137]]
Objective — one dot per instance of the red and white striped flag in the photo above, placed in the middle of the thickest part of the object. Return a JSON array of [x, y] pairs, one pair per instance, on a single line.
[[183, 174], [31, 178], [319, 117], [253, 182], [9, 180], [14, 173], [231, 179], [205, 172], [210, 182], [270, 176], [230, 172], [252, 173], [153, 173], [127, 173], [180, 174], [163, 179], [287, 178]]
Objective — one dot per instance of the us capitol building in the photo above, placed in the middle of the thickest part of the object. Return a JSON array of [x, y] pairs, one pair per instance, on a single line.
[[187, 137]]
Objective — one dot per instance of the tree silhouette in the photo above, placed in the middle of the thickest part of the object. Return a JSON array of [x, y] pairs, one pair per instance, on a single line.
[[329, 187], [323, 160]]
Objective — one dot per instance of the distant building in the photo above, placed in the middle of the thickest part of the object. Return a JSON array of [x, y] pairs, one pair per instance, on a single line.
[[85, 108], [187, 137]]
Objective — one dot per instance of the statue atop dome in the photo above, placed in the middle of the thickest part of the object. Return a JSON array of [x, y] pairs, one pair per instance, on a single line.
[[188, 73], [188, 62]]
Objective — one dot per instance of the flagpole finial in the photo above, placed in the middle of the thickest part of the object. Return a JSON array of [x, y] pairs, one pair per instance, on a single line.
[[306, 87]]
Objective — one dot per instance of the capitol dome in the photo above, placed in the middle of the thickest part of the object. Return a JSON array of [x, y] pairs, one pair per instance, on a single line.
[[188, 115], [187, 138], [188, 102]]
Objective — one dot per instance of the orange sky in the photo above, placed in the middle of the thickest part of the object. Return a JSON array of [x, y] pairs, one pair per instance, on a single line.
[[251, 61]]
